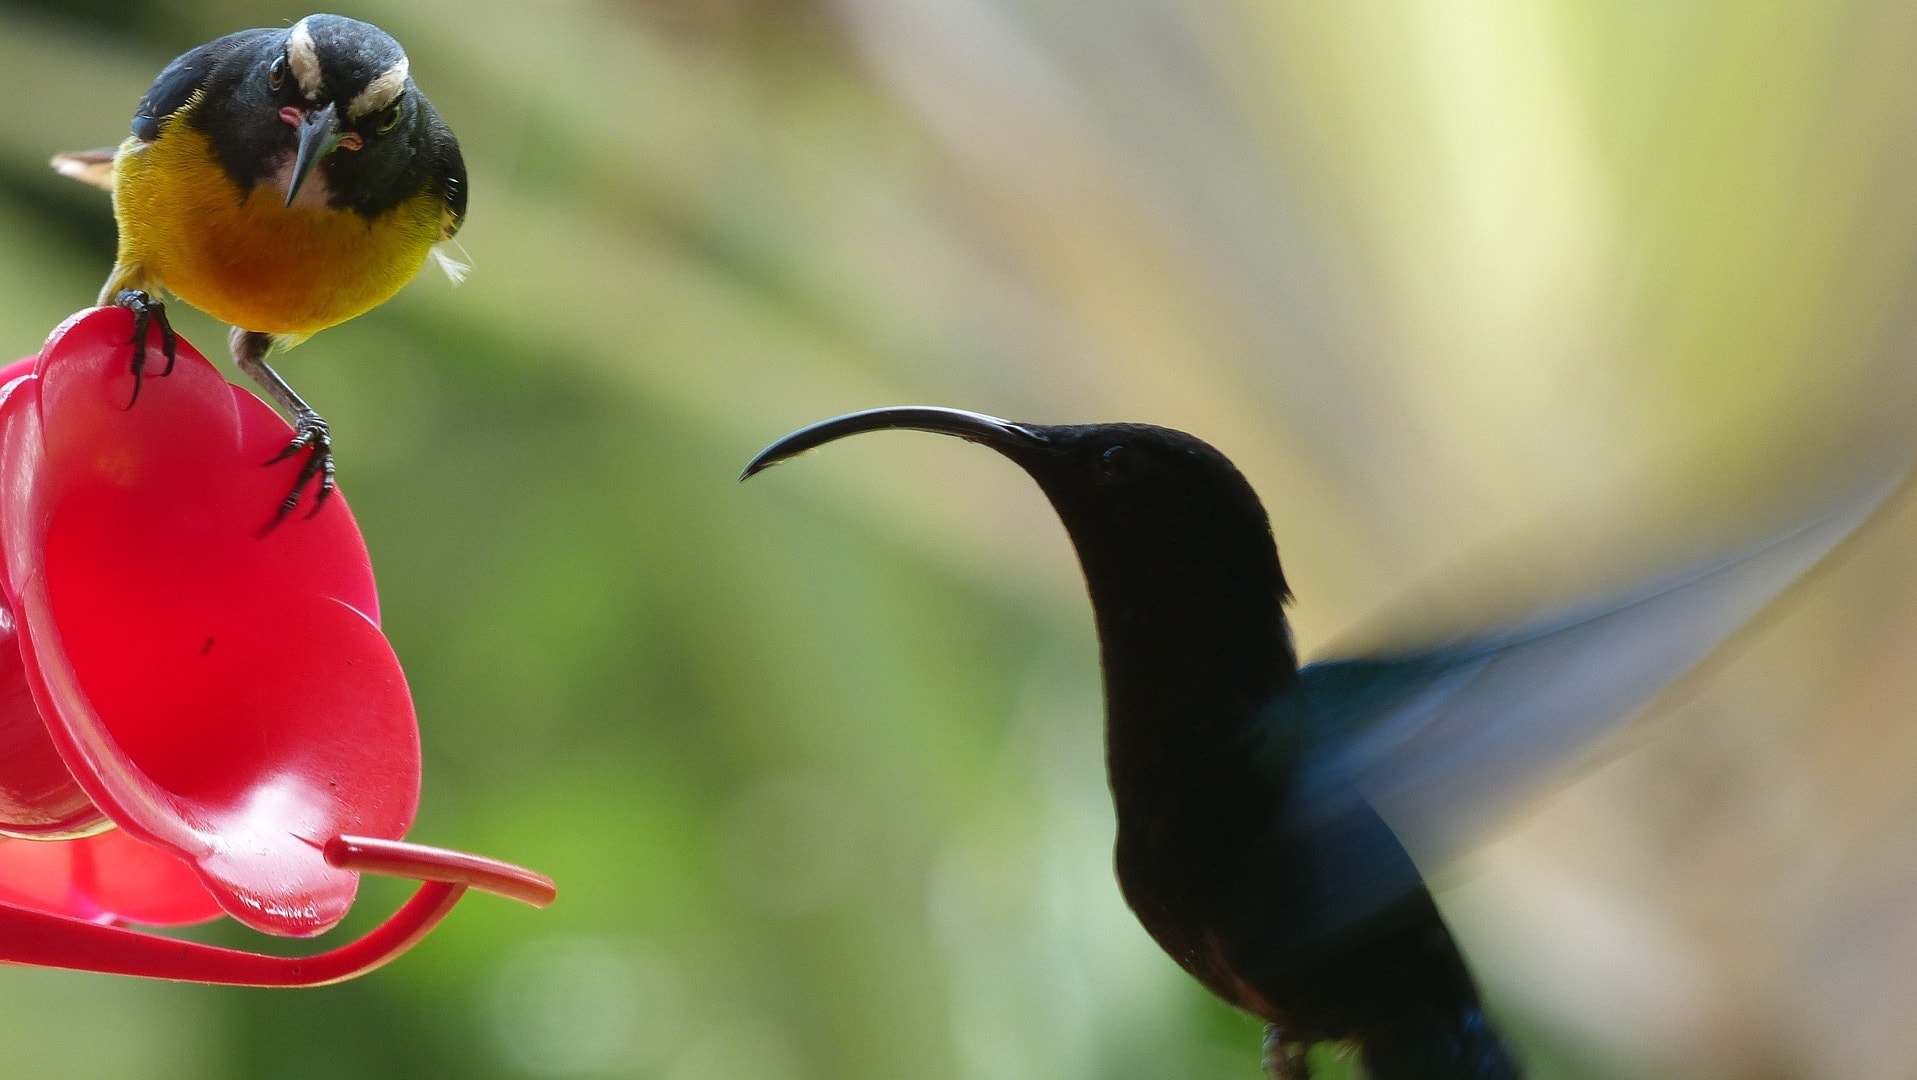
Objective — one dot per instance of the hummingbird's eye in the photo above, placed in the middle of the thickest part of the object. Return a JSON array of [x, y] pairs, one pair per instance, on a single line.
[[276, 75], [1115, 463]]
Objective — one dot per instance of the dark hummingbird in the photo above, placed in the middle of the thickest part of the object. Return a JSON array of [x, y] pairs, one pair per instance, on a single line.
[[1252, 796]]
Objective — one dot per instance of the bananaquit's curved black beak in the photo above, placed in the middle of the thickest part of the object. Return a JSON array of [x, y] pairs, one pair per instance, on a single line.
[[1001, 435], [319, 134]]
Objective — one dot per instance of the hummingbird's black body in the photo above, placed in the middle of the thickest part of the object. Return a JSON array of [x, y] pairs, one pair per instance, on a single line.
[[1237, 866], [1265, 892], [1247, 791]]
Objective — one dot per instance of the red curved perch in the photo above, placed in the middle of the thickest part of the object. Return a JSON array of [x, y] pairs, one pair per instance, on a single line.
[[396, 858], [44, 940]]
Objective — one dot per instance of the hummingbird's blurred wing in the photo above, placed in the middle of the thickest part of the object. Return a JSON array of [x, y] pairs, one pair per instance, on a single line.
[[1444, 742]]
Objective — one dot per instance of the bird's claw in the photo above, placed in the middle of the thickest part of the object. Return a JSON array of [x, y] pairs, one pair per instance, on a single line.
[[147, 313], [1284, 1059], [310, 437]]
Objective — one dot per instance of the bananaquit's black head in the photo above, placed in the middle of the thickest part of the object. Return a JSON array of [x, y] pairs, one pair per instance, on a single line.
[[324, 111]]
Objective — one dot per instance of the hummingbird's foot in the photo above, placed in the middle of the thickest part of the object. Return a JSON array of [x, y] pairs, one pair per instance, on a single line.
[[1284, 1059], [310, 438], [147, 313]]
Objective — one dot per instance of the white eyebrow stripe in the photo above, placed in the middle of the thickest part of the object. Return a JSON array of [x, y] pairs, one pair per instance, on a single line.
[[381, 92], [303, 57]]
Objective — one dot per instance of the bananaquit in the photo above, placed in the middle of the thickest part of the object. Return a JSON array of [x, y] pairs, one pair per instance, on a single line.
[[283, 181]]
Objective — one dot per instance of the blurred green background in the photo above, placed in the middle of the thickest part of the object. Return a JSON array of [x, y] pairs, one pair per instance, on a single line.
[[1527, 295]]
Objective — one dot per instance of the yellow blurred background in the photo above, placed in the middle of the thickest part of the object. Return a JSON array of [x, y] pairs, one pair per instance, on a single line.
[[1489, 298]]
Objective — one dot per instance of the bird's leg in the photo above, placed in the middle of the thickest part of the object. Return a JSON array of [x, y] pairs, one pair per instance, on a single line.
[[1284, 1059], [147, 312], [309, 431]]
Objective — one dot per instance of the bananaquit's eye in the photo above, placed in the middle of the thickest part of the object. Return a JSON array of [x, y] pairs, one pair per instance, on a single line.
[[387, 120], [276, 75]]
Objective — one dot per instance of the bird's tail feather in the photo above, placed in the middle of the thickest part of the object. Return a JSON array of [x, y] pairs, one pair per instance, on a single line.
[[1458, 1046], [87, 166]]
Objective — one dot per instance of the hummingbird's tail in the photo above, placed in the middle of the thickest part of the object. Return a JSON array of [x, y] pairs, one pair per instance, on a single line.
[[1459, 1045]]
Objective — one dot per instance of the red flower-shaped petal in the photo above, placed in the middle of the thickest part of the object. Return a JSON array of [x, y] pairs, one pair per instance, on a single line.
[[219, 690], [106, 878], [38, 796], [216, 688]]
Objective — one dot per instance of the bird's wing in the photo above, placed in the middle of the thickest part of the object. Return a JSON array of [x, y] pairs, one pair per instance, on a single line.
[[87, 166], [1322, 862], [176, 85], [187, 76], [449, 167], [1445, 741]]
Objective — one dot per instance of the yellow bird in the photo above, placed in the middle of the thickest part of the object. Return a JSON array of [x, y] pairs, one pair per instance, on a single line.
[[282, 181]]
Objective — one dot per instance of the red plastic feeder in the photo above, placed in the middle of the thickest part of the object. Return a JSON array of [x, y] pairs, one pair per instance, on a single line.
[[218, 690]]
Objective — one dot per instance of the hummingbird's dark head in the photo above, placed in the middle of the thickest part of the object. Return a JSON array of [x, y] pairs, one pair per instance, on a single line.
[[1174, 543], [1148, 499]]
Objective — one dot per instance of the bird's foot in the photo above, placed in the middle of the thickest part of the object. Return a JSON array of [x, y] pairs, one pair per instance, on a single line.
[[310, 438], [148, 313], [1284, 1059]]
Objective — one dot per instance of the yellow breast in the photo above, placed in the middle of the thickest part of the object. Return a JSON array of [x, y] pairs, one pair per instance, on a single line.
[[249, 260]]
